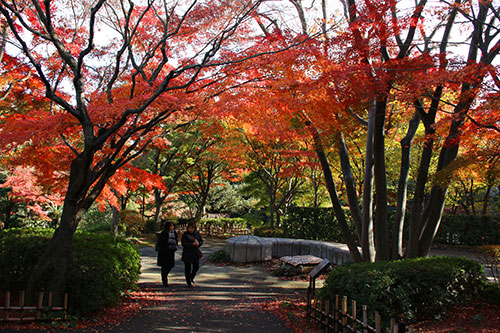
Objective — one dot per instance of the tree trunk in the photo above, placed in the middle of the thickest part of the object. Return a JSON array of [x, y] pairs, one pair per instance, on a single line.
[[272, 210], [350, 185], [114, 221], [330, 185], [382, 242], [486, 198], [471, 193], [412, 249], [56, 259], [159, 199], [399, 217], [367, 234], [448, 154]]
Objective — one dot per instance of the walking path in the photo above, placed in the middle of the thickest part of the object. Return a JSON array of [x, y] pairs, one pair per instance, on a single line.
[[224, 299]]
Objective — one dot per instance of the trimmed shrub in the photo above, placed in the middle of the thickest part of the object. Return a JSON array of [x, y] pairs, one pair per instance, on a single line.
[[19, 252], [267, 231], [407, 289], [132, 221], [220, 256], [313, 223], [468, 230], [490, 256], [491, 293], [103, 267]]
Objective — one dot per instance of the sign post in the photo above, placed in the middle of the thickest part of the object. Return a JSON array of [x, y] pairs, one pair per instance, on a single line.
[[317, 271]]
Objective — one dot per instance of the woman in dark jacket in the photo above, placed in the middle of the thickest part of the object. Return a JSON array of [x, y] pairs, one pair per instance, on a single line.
[[166, 246], [191, 241]]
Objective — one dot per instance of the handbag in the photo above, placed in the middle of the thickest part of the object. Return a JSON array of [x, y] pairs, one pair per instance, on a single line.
[[199, 254]]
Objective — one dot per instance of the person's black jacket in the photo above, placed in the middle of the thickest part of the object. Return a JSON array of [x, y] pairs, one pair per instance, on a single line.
[[165, 254], [188, 249]]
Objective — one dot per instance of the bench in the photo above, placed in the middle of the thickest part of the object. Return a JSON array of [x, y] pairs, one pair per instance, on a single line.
[[253, 248]]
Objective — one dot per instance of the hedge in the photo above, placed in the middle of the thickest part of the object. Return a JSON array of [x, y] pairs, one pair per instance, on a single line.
[[103, 267], [321, 224], [408, 289], [312, 223], [470, 230], [225, 223]]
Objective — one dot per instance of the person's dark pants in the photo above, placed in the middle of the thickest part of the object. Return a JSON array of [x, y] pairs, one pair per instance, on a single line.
[[190, 269], [164, 274]]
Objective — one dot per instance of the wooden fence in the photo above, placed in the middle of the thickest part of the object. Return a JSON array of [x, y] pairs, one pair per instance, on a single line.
[[334, 317], [13, 308]]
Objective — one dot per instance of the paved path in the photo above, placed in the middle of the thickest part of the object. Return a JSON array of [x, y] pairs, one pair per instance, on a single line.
[[224, 299]]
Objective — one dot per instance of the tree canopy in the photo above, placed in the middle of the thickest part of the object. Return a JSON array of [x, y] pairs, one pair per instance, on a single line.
[[395, 101]]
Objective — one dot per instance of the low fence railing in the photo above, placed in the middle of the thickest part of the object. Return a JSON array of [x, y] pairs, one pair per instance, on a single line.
[[335, 317], [14, 308]]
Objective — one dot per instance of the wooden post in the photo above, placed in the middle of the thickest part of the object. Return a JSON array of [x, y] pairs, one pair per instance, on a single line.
[[49, 305], [354, 316], [393, 327], [344, 314], [7, 305], [337, 309], [327, 314], [21, 299], [378, 325], [21, 304], [365, 319], [40, 305], [65, 304]]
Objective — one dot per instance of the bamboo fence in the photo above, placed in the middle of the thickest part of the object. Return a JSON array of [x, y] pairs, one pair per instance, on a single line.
[[334, 317], [15, 309]]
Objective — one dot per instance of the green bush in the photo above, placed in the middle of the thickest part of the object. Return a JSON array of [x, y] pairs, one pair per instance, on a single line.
[[408, 289], [103, 267], [95, 220], [491, 293], [255, 218], [133, 222], [312, 223], [220, 256], [468, 230], [267, 231], [19, 252]]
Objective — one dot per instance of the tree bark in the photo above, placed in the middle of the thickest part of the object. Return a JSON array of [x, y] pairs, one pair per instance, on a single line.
[[350, 185], [114, 221], [368, 242], [486, 199], [382, 242], [399, 217], [330, 184], [159, 199], [57, 257]]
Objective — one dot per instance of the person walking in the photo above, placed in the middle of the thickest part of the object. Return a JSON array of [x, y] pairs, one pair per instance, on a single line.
[[191, 241], [166, 245]]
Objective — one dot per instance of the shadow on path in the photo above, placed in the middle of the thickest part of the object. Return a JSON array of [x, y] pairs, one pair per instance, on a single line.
[[224, 298]]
